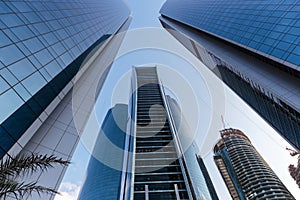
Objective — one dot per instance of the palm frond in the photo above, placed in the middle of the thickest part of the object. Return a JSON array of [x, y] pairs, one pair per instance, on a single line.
[[27, 164], [19, 190]]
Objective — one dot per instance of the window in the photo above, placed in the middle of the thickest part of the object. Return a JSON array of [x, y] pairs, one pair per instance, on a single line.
[[33, 45], [22, 92], [11, 20], [32, 17], [4, 40], [3, 85], [8, 76], [22, 69], [53, 68], [22, 6], [4, 8], [34, 82], [11, 35], [35, 62], [22, 32], [50, 37], [44, 56], [23, 48], [9, 102], [10, 54]]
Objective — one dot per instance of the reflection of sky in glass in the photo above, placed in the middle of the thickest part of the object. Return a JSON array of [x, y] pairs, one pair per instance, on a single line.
[[237, 114]]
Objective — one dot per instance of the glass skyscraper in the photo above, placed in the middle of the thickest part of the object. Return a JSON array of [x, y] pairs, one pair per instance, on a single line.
[[46, 47], [157, 160], [269, 28], [253, 46], [207, 178], [114, 130], [246, 174]]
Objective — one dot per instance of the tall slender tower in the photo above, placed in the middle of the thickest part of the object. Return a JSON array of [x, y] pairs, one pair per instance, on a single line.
[[165, 162], [113, 129], [158, 173], [245, 172]]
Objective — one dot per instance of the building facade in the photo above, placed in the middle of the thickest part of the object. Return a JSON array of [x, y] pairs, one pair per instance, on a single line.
[[245, 173], [158, 173], [253, 46], [113, 129], [155, 163], [46, 48], [207, 178]]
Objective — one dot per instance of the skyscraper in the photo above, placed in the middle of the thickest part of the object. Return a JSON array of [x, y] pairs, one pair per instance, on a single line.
[[245, 172], [47, 47], [113, 130], [158, 174], [253, 46], [208, 181], [155, 159]]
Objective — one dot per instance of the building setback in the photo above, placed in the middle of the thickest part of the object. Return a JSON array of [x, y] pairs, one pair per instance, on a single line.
[[245, 173], [253, 46], [46, 48]]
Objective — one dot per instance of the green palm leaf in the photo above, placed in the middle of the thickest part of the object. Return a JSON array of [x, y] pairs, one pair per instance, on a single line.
[[19, 166]]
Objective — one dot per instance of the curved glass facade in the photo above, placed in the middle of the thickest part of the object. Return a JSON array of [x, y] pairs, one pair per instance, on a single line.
[[42, 46], [268, 27]]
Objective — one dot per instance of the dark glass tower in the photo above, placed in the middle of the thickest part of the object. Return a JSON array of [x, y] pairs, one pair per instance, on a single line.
[[158, 173], [244, 171], [208, 181], [114, 130], [165, 162], [252, 46]]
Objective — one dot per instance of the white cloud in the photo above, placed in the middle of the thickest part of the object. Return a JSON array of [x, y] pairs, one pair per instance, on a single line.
[[68, 191]]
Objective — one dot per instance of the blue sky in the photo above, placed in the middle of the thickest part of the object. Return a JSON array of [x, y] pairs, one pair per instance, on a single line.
[[236, 113]]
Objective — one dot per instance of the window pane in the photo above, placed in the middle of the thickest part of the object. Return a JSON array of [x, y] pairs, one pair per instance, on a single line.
[[23, 48], [44, 56], [3, 85], [41, 27], [32, 17], [35, 62], [33, 45], [10, 54], [11, 20], [22, 69], [50, 37], [4, 8], [34, 82], [22, 6], [45, 74], [11, 35], [4, 40], [9, 102], [53, 68], [66, 58], [59, 48], [22, 32], [22, 92], [8, 76]]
